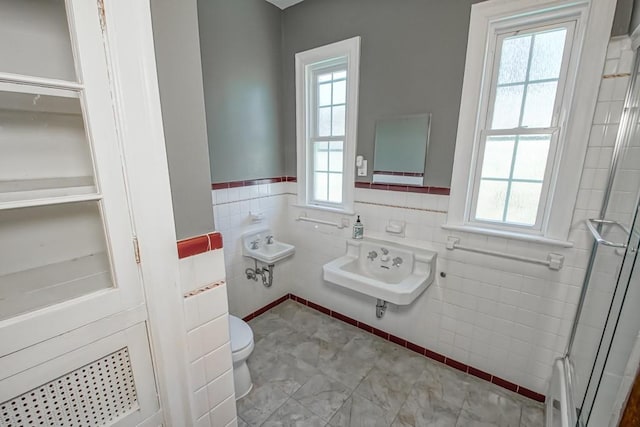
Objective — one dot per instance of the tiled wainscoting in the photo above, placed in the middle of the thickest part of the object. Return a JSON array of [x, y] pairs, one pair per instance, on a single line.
[[232, 213], [504, 317], [202, 276]]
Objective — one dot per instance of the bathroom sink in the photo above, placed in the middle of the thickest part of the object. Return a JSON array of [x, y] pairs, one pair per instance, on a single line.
[[384, 269], [262, 246]]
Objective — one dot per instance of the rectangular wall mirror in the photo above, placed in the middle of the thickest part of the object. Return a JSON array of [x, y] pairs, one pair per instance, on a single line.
[[401, 145]]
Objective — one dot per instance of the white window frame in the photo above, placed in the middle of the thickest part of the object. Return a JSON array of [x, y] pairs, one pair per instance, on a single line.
[[553, 129], [307, 63], [592, 26]]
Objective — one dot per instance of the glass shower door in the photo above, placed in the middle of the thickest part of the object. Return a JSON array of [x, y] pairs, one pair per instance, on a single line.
[[604, 391], [607, 326]]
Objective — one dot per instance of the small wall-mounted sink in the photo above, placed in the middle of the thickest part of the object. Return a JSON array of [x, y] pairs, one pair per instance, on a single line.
[[386, 270], [262, 246]]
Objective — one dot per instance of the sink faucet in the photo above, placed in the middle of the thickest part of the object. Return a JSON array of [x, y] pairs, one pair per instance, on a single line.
[[254, 244], [385, 255], [269, 239]]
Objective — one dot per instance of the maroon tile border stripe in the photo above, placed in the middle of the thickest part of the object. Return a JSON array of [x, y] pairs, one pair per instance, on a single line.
[[199, 244], [407, 344], [395, 173], [266, 307], [443, 191], [250, 182]]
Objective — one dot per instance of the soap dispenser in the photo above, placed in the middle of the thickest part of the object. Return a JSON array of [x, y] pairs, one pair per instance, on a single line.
[[358, 229]]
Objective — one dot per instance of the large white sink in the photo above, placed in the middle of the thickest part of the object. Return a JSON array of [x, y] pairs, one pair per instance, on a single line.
[[384, 269], [262, 246]]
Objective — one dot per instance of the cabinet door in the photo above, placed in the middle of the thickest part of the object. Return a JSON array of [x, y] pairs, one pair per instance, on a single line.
[[67, 242]]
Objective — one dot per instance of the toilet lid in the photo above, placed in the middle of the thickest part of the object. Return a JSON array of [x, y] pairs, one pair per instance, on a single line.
[[241, 333]]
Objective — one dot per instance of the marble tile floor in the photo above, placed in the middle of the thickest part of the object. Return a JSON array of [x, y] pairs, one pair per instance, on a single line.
[[309, 369]]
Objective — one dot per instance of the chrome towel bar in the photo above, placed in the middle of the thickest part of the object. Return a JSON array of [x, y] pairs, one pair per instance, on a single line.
[[592, 225]]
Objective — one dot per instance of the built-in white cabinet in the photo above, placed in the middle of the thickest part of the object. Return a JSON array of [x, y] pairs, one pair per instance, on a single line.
[[71, 298], [51, 224], [68, 244]]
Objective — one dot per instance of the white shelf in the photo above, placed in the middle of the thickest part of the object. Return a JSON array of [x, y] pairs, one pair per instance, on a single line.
[[28, 290], [44, 192], [39, 81]]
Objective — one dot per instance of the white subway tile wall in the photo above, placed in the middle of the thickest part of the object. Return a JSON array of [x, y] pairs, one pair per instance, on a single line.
[[505, 317], [231, 211], [209, 348], [201, 269]]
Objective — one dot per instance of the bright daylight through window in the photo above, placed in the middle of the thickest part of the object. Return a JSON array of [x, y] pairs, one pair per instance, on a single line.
[[326, 104], [328, 134], [531, 79], [518, 145]]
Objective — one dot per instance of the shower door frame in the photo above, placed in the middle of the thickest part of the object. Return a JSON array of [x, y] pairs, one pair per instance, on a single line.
[[630, 116]]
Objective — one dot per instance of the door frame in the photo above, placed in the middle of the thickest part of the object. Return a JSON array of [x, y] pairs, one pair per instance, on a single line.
[[131, 61]]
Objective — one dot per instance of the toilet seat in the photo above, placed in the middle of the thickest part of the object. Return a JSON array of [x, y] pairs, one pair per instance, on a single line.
[[241, 338]]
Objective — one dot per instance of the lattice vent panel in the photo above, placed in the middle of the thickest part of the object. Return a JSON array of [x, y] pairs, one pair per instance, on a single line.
[[95, 395]]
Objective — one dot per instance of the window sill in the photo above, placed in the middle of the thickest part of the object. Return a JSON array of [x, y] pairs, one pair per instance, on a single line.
[[325, 209], [509, 235]]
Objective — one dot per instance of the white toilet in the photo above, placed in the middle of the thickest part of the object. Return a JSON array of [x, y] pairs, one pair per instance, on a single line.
[[241, 347]]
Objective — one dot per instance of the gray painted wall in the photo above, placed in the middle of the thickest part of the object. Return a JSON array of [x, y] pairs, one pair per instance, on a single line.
[[635, 16], [412, 62], [177, 49], [240, 43], [622, 17]]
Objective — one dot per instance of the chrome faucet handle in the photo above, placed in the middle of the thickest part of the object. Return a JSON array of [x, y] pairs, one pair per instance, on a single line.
[[269, 239], [385, 251], [254, 244], [372, 255], [397, 261]]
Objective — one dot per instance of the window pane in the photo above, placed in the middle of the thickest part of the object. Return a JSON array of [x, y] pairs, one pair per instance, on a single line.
[[320, 184], [335, 161], [531, 157], [335, 187], [340, 92], [506, 111], [336, 145], [324, 94], [35, 40], [498, 155], [337, 128], [491, 197], [523, 203], [326, 77], [546, 60], [538, 108], [324, 121], [514, 59], [321, 156], [340, 75]]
